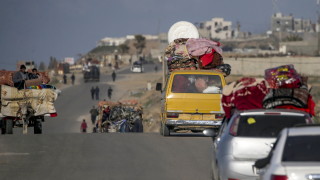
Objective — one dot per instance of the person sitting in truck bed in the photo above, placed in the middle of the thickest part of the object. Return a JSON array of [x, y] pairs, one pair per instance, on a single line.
[[34, 74], [19, 77]]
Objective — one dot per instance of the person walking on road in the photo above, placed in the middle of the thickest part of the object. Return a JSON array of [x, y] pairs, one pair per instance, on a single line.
[[93, 91], [156, 68], [110, 92], [73, 78], [83, 127], [97, 90], [113, 76], [94, 113], [64, 79]]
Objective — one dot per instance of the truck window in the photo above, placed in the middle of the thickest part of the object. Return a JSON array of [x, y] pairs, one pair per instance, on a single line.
[[196, 83]]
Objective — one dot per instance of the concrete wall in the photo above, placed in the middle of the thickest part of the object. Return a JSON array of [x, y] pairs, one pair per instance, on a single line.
[[255, 66]]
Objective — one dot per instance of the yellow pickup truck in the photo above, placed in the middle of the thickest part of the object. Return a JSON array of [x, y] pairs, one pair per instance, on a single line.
[[191, 100]]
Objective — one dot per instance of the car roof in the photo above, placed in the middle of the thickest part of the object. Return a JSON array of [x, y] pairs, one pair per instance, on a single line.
[[304, 131], [289, 112]]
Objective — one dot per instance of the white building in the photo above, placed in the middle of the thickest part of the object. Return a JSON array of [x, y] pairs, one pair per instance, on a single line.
[[217, 28], [116, 41], [110, 41]]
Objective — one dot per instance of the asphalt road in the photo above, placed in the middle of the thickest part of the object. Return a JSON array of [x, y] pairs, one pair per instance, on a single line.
[[64, 153]]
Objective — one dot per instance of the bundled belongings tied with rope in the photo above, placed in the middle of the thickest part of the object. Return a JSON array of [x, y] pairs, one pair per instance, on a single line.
[[288, 90], [121, 116], [244, 94], [16, 102], [195, 53]]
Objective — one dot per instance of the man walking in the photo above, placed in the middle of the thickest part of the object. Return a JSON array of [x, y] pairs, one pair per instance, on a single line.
[[93, 91], [73, 78], [97, 90], [94, 113], [156, 68], [113, 76], [109, 92], [64, 79]]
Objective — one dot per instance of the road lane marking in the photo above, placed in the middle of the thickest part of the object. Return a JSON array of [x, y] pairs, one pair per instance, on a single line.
[[14, 154]]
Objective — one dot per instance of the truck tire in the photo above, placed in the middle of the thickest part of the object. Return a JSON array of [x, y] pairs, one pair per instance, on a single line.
[[165, 131], [37, 128], [9, 126], [3, 129]]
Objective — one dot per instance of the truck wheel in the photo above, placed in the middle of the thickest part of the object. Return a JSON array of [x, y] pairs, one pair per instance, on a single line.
[[8, 126], [165, 131], [3, 129], [37, 129]]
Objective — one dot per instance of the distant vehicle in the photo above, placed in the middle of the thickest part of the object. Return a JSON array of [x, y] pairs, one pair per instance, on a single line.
[[25, 108], [294, 156], [248, 136], [92, 73], [137, 67]]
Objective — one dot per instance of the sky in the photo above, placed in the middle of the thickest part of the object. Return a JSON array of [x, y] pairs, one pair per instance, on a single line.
[[37, 29]]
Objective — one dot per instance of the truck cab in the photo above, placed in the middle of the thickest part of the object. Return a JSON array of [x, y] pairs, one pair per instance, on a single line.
[[191, 100], [92, 74]]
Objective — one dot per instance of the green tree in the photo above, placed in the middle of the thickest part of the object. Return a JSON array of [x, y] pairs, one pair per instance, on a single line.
[[140, 43], [53, 64], [293, 37], [123, 48]]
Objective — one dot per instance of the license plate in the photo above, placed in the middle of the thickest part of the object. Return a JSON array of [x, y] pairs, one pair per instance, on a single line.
[[208, 117], [185, 116], [196, 117]]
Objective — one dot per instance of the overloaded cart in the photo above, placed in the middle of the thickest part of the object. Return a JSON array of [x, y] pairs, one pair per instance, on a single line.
[[26, 106], [121, 116], [282, 87], [193, 84]]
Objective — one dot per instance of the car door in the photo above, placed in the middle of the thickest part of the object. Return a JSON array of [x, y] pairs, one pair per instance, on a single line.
[[222, 130]]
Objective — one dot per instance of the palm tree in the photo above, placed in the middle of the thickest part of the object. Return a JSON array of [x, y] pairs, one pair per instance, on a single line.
[[123, 48], [140, 43]]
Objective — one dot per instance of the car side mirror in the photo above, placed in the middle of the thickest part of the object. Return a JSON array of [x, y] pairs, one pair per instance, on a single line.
[[210, 132], [159, 86]]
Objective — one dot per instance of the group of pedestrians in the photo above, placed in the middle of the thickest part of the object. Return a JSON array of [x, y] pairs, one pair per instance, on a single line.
[[94, 113], [95, 92], [73, 78]]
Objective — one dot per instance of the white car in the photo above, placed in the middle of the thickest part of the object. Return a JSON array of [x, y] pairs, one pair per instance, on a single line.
[[137, 68], [295, 155], [247, 137]]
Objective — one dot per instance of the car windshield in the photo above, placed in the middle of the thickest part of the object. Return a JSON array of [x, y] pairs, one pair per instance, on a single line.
[[266, 125], [302, 148], [196, 83]]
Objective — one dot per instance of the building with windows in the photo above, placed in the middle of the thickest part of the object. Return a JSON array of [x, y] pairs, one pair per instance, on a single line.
[[217, 28], [282, 23]]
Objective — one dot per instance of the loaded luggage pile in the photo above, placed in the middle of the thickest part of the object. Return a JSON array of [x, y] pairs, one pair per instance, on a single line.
[[282, 87], [27, 106], [195, 54], [288, 90], [121, 116]]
